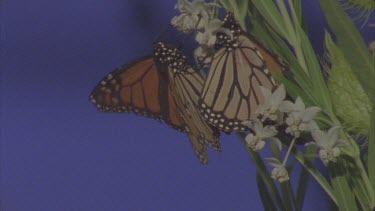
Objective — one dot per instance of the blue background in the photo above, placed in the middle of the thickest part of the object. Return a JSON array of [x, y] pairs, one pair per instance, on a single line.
[[59, 153]]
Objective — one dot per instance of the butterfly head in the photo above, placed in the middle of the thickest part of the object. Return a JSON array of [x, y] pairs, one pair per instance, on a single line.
[[223, 39], [165, 53]]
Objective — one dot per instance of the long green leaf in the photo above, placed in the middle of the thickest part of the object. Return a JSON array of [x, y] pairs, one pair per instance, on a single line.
[[303, 178], [271, 14], [359, 188], [345, 197], [298, 9], [321, 93], [371, 151], [267, 201], [352, 45], [294, 73], [286, 195]]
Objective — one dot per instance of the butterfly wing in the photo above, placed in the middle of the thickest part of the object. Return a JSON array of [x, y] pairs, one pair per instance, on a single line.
[[231, 92], [138, 87], [188, 85]]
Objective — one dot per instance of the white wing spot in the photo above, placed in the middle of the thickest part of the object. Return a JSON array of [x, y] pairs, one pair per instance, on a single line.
[[260, 55]]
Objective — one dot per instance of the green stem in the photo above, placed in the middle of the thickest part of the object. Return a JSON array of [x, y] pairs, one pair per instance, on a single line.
[[289, 150], [366, 180], [293, 35], [357, 160]]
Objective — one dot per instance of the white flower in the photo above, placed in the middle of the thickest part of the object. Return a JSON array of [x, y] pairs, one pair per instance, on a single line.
[[279, 172], [269, 109], [207, 35], [185, 22], [193, 14], [299, 117], [261, 134], [329, 144]]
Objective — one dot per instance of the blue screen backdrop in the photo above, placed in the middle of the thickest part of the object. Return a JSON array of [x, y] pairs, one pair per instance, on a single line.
[[59, 153]]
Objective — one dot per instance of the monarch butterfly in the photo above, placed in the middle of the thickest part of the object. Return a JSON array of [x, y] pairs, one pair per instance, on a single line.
[[239, 67], [160, 86]]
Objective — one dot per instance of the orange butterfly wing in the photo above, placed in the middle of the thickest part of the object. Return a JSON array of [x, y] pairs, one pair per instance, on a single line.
[[138, 87]]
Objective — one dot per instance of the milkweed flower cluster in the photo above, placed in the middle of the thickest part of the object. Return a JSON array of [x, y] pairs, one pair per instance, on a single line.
[[329, 144], [293, 119], [195, 17], [269, 109], [260, 135]]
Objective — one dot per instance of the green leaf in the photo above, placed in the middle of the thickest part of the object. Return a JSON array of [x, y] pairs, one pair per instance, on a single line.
[[271, 14], [298, 9], [359, 188], [294, 73], [287, 197], [350, 102], [351, 44], [243, 6], [303, 178], [345, 196], [267, 201], [371, 151], [226, 4], [238, 11], [320, 90]]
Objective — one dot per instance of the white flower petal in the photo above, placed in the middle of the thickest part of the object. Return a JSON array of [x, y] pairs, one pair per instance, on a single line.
[[278, 95], [273, 161], [309, 113], [248, 123], [320, 138], [261, 109], [266, 93], [312, 125], [259, 145], [257, 126], [286, 106], [336, 152], [289, 120], [333, 133], [299, 105], [269, 131], [250, 138]]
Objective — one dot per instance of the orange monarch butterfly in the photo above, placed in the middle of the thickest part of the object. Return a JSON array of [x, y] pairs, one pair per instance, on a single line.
[[239, 67], [161, 86]]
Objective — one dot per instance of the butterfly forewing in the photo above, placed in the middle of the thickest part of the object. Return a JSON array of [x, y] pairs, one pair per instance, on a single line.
[[239, 68], [138, 87]]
